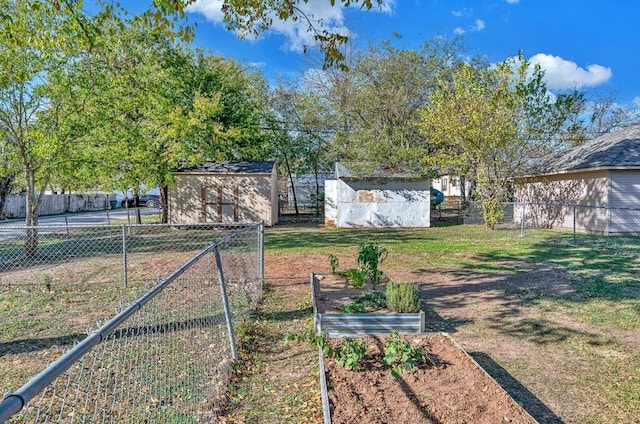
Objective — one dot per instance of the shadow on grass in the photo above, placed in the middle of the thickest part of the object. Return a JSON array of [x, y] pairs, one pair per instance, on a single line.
[[517, 391], [602, 267], [435, 322], [542, 332], [287, 315], [34, 345]]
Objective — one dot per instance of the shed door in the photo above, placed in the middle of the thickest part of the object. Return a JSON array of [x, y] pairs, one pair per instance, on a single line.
[[219, 203]]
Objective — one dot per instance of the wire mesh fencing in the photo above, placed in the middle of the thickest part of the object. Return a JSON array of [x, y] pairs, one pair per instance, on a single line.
[[132, 253], [166, 356], [580, 222]]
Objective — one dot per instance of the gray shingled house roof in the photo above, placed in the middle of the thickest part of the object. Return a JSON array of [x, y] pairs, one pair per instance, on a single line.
[[616, 150], [232, 167]]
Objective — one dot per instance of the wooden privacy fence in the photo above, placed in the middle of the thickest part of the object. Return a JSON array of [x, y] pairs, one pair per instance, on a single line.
[[52, 204]]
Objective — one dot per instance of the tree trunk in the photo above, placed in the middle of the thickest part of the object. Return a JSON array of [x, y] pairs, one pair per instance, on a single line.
[[164, 201], [6, 184], [293, 190], [463, 190], [33, 202], [31, 218]]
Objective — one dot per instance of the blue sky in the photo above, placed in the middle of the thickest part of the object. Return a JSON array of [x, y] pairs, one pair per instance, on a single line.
[[584, 44]]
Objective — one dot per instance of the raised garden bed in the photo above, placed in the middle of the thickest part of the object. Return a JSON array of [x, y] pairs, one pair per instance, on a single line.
[[456, 390], [450, 388], [330, 293]]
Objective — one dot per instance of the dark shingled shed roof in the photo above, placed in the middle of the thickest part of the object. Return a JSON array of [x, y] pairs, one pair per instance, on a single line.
[[232, 167], [620, 150]]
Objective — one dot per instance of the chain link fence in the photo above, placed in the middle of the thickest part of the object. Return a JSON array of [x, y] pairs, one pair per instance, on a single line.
[[164, 357], [574, 219]]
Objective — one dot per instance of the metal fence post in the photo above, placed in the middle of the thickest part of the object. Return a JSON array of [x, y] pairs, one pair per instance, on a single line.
[[574, 225], [524, 205], [124, 256], [66, 224], [225, 303], [261, 251]]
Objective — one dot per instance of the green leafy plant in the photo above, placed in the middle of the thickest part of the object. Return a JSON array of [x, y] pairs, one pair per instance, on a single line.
[[492, 212], [370, 255], [402, 355], [370, 300], [403, 297], [313, 338], [333, 261], [356, 277], [349, 353]]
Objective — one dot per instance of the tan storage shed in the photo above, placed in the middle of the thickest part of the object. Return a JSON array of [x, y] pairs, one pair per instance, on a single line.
[[234, 191]]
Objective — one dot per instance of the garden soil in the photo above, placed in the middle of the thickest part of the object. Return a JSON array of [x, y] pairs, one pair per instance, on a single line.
[[455, 390], [494, 317]]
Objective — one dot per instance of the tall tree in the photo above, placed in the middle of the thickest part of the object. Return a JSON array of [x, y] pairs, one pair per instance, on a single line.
[[493, 123], [607, 115], [377, 103], [35, 40], [302, 135], [152, 106]]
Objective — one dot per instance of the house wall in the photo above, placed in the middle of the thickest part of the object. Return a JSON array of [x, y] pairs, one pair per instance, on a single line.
[[449, 186], [589, 189], [624, 195], [255, 198], [275, 199], [331, 202], [377, 203]]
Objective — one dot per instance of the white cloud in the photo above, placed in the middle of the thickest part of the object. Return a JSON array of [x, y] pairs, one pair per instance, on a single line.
[[478, 25], [563, 74], [462, 12], [297, 33], [211, 9], [513, 1]]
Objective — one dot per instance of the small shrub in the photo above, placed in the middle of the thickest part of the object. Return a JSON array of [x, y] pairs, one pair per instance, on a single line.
[[349, 353], [492, 212], [370, 255], [402, 297], [371, 300], [333, 261], [402, 356], [356, 277]]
